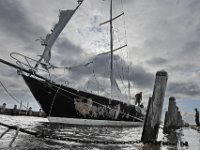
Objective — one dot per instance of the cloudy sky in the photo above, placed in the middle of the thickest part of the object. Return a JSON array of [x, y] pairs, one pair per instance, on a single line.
[[161, 35]]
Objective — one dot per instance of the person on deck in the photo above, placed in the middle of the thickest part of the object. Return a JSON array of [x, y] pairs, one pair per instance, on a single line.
[[138, 98], [197, 117]]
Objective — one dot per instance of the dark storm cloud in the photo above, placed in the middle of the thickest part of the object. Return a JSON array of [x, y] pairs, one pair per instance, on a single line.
[[101, 67], [192, 48], [190, 89], [65, 46], [157, 61], [16, 22], [195, 4], [7, 71], [12, 85], [185, 67], [12, 82], [67, 53], [141, 77], [164, 32]]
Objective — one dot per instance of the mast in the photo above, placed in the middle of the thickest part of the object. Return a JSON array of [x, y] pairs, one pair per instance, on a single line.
[[129, 86], [111, 48]]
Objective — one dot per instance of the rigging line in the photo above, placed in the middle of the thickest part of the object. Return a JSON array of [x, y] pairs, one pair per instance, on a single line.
[[122, 7], [121, 79], [117, 34], [124, 21], [88, 82], [133, 77], [54, 98], [58, 77], [86, 64], [11, 95], [125, 88], [91, 100], [95, 78]]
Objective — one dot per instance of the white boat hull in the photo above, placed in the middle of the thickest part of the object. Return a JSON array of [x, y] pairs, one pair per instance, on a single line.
[[91, 122]]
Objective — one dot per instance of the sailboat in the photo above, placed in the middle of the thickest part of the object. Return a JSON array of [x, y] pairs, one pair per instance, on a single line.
[[64, 104]]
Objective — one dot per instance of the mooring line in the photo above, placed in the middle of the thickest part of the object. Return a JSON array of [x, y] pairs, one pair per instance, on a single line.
[[11, 95], [4, 133], [54, 98], [14, 138]]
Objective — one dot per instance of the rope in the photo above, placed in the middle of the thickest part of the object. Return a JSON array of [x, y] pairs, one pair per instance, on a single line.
[[95, 78], [121, 78], [16, 134], [124, 22], [4, 133], [54, 98], [12, 95]]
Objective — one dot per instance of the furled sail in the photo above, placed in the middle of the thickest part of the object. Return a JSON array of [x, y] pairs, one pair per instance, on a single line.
[[65, 16]]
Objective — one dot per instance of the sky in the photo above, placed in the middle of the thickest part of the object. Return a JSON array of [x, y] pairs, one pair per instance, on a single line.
[[160, 35]]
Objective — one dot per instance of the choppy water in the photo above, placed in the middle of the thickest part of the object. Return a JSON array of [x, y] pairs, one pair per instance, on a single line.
[[28, 142]]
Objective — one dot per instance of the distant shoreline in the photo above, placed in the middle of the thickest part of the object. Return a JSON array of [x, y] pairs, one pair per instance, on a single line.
[[21, 112], [197, 128]]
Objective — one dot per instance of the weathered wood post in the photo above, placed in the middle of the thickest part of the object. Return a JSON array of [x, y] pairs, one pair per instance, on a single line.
[[179, 120], [20, 108], [170, 116], [153, 116], [30, 112], [27, 108], [173, 118], [2, 109], [14, 111]]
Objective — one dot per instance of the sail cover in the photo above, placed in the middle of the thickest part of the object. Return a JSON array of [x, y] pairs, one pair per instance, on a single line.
[[64, 17]]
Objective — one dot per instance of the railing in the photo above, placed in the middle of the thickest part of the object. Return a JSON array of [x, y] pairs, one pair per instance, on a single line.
[[28, 63]]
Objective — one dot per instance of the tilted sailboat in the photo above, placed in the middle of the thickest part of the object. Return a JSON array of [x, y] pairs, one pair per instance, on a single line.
[[63, 104]]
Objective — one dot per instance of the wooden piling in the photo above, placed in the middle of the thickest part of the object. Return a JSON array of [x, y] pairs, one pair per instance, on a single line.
[[14, 111], [153, 116], [173, 118], [2, 108], [20, 108]]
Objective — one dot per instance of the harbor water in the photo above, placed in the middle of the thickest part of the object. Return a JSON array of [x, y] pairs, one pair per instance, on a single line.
[[107, 134]]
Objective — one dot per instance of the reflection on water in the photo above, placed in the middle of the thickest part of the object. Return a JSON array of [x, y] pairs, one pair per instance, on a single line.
[[24, 141]]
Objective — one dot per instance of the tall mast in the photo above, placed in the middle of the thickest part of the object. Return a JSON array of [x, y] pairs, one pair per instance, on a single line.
[[129, 86], [111, 48], [112, 80]]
